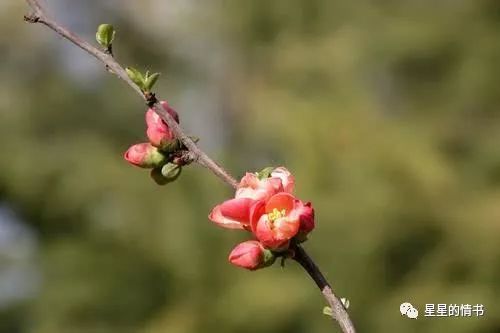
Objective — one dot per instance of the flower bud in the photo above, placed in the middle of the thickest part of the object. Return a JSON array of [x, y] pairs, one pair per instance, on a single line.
[[158, 132], [171, 171], [159, 136], [158, 177], [166, 174], [306, 217], [152, 118], [144, 155], [251, 255]]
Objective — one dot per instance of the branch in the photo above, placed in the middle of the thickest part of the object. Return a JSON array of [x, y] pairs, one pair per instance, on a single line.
[[339, 312], [39, 15]]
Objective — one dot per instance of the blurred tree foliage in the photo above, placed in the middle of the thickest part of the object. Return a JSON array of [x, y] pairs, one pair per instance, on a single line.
[[386, 111]]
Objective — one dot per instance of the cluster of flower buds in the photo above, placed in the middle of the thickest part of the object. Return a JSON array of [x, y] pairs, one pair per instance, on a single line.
[[265, 206], [159, 154]]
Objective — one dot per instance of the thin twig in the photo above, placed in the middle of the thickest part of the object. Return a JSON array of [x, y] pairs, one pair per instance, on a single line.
[[339, 312], [38, 15]]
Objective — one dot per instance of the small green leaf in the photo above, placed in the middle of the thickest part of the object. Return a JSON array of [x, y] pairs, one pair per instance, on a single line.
[[136, 77], [328, 311], [265, 173], [151, 80], [345, 302], [105, 35]]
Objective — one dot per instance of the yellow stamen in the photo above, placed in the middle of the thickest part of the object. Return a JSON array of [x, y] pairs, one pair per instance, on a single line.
[[276, 214]]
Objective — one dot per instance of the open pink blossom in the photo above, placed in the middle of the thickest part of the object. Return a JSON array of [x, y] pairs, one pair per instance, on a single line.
[[235, 213], [250, 255], [144, 155], [278, 220]]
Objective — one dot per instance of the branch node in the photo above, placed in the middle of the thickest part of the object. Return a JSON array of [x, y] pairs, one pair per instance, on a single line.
[[32, 18], [151, 99]]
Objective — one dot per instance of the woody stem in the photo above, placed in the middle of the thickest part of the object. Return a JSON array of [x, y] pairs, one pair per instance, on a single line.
[[38, 15]]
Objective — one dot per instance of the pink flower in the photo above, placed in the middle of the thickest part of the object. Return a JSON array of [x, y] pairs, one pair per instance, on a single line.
[[144, 155], [287, 179], [258, 189], [158, 131], [278, 220], [235, 213], [251, 255]]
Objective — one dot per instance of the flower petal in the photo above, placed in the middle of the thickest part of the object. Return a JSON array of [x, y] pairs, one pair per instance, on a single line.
[[232, 214], [281, 201], [256, 211], [286, 178]]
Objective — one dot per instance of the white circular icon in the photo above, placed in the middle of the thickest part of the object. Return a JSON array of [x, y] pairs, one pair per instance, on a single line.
[[408, 310]]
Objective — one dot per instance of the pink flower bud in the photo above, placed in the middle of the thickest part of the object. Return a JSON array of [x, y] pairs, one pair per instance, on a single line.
[[287, 179], [306, 213], [153, 119], [251, 255], [159, 136], [158, 132], [306, 216], [144, 155]]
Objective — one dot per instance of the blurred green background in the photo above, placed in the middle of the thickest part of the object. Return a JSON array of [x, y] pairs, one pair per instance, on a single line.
[[387, 112]]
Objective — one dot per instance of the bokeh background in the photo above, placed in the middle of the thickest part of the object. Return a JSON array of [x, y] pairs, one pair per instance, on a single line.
[[386, 111]]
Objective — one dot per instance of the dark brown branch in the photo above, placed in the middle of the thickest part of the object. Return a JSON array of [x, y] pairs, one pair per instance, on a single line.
[[339, 311], [38, 15]]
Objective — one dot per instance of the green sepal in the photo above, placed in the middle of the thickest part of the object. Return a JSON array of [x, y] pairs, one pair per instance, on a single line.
[[154, 158], [268, 258], [157, 176]]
